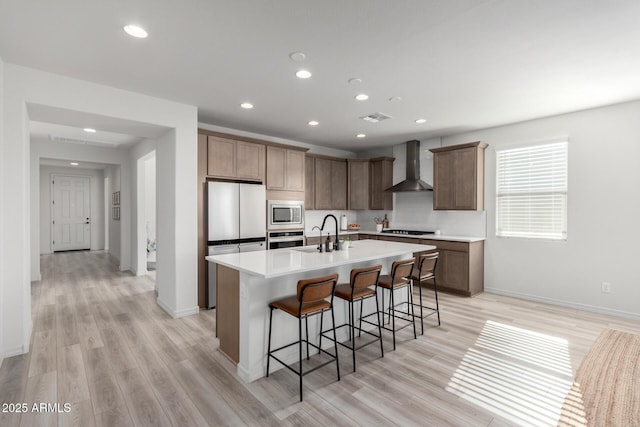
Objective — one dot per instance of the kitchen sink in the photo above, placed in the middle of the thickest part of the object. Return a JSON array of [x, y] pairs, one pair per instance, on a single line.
[[307, 250]]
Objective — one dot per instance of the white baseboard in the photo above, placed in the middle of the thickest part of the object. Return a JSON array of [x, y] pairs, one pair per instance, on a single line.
[[562, 303], [178, 313]]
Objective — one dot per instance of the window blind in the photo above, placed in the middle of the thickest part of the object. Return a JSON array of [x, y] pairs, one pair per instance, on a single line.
[[532, 191]]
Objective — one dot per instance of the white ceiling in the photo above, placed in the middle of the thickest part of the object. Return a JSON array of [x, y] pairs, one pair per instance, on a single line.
[[461, 64]]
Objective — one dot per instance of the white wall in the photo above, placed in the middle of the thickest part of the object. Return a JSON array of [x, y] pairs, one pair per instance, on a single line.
[[2, 239], [96, 178], [603, 212], [150, 197], [23, 86], [115, 243]]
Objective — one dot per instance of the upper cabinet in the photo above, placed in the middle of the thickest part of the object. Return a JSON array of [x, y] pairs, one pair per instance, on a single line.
[[354, 184], [358, 187], [285, 169], [381, 178], [458, 177], [228, 158]]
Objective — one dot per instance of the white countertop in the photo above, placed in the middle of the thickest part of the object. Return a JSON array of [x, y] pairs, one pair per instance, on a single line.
[[282, 262], [448, 237]]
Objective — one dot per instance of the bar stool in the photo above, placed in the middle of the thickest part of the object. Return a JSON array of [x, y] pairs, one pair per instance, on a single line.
[[310, 300], [400, 272], [426, 270], [359, 289]]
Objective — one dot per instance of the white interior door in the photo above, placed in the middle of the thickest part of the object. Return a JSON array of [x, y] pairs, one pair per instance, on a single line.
[[70, 208]]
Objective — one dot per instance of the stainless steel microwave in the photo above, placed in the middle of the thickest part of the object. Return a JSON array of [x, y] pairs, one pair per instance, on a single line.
[[285, 214]]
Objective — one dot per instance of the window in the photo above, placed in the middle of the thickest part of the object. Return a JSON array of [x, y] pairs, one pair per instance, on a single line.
[[531, 191]]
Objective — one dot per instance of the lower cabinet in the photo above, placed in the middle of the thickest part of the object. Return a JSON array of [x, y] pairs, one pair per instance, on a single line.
[[460, 267]]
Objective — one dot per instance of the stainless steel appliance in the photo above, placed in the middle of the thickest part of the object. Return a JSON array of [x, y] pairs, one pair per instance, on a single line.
[[237, 222], [285, 239], [285, 214]]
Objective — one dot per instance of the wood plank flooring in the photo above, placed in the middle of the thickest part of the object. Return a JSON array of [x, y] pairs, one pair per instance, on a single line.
[[101, 344]]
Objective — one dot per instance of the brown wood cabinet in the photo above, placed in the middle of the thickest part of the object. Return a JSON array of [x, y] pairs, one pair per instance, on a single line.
[[358, 185], [285, 169], [338, 184], [460, 267], [228, 158], [309, 182], [381, 178], [330, 183], [458, 177]]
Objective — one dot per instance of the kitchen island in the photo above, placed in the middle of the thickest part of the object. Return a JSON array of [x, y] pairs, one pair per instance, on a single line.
[[247, 282]]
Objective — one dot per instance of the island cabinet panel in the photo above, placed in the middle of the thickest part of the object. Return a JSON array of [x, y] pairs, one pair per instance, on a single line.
[[228, 311], [358, 187], [309, 183], [381, 178], [459, 177]]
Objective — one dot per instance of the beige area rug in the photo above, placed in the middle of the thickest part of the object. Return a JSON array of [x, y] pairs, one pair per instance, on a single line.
[[606, 390]]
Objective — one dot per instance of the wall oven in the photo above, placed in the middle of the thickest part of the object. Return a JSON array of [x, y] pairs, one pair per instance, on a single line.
[[285, 239], [285, 214]]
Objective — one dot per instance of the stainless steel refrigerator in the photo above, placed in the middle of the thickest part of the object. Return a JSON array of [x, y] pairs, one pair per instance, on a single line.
[[236, 222]]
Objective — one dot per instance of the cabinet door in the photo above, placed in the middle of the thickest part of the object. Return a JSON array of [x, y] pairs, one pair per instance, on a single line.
[[294, 170], [309, 183], [338, 184], [381, 178], [465, 178], [250, 160], [221, 157], [453, 270], [443, 180], [276, 160], [322, 184], [358, 187]]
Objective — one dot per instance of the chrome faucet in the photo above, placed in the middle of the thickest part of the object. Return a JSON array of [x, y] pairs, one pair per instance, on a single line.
[[320, 233], [336, 244]]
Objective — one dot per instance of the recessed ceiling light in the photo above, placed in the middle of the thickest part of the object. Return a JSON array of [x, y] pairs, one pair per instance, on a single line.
[[395, 98], [90, 130], [74, 164], [360, 135], [362, 97], [303, 74], [420, 121], [135, 31], [297, 56], [355, 81], [246, 105], [313, 123]]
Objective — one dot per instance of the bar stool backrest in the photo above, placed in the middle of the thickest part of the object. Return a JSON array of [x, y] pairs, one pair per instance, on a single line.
[[400, 270], [317, 288], [427, 264], [365, 277]]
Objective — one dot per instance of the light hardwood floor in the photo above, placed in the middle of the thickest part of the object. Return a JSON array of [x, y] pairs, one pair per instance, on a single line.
[[102, 344]]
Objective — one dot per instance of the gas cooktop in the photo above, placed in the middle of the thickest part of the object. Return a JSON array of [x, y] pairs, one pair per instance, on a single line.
[[408, 232]]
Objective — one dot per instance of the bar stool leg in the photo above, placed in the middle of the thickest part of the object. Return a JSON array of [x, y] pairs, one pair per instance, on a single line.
[[421, 316], [379, 327], [435, 289], [320, 341], [413, 315], [335, 346], [392, 313], [306, 326], [300, 354], [360, 324], [352, 332], [269, 345]]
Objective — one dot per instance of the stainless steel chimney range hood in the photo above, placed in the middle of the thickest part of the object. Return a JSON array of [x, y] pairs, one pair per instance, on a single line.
[[412, 181]]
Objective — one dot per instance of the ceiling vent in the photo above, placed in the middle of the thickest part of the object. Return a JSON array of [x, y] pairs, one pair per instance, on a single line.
[[83, 141], [375, 117]]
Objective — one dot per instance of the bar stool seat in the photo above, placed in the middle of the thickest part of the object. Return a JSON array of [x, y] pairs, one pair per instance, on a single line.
[[359, 289], [426, 270], [398, 279], [310, 300]]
